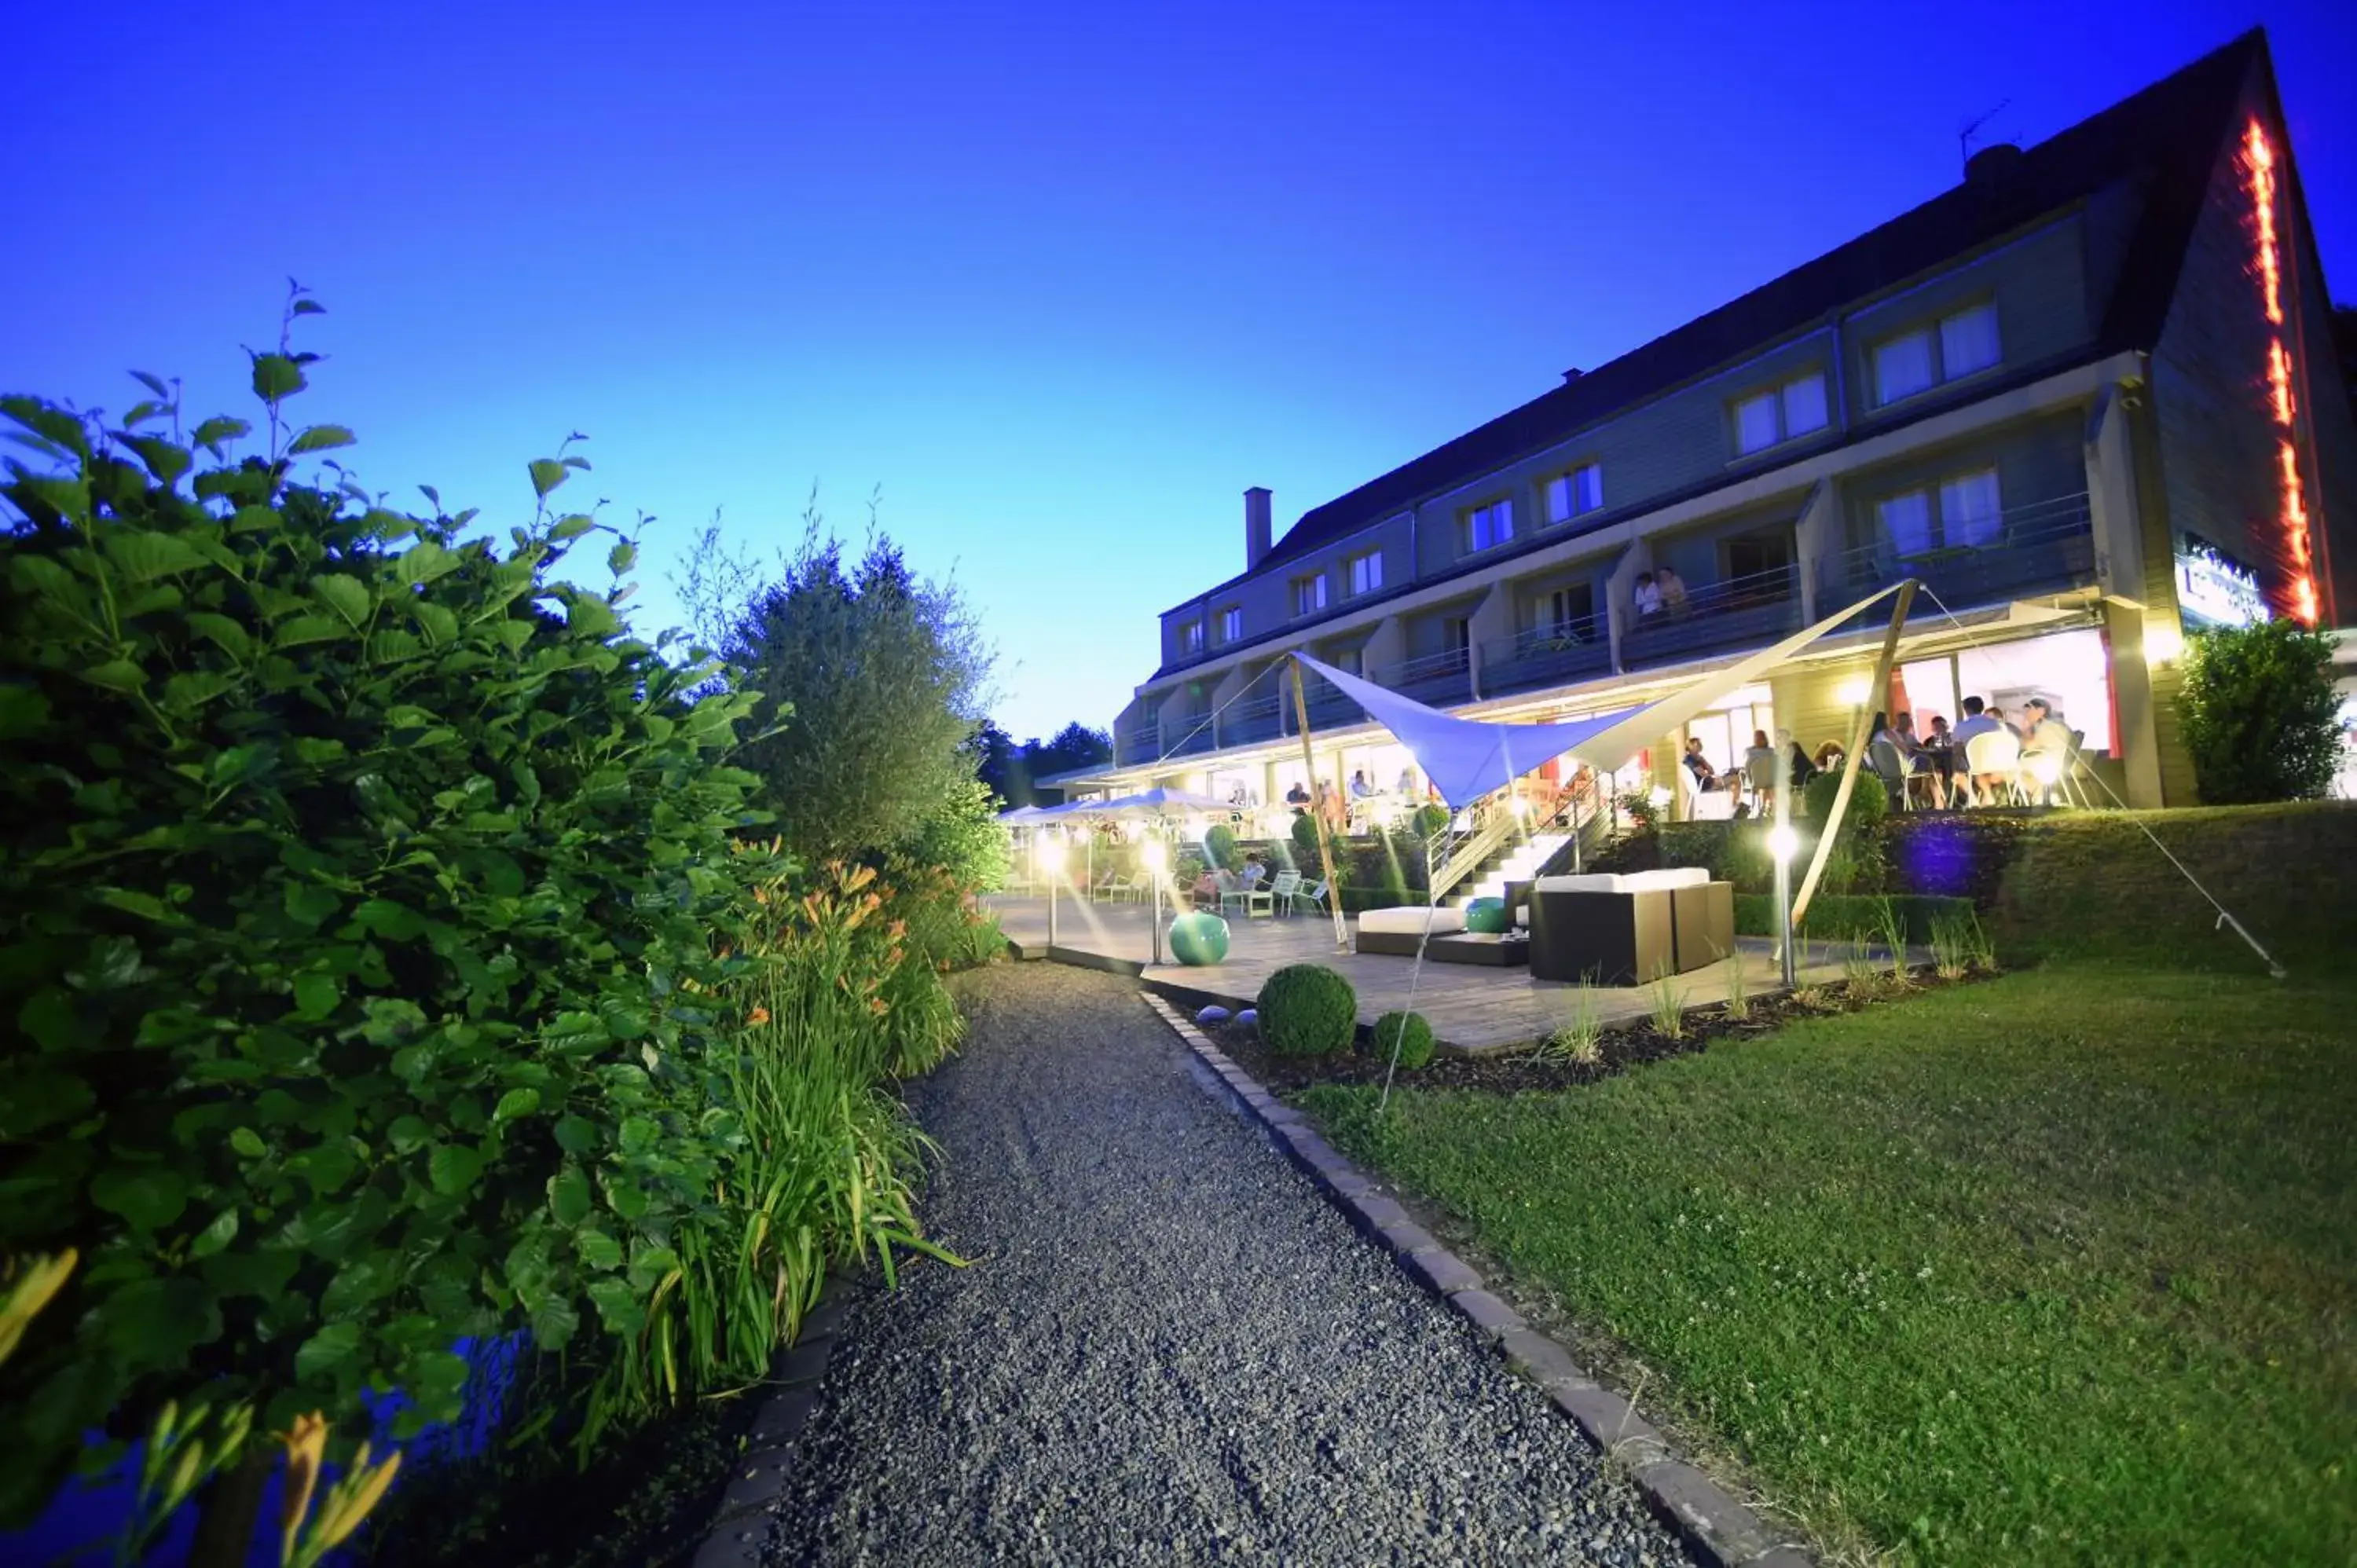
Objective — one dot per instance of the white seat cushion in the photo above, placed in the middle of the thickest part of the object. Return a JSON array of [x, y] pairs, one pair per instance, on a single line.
[[1408, 920], [1594, 882], [1660, 881]]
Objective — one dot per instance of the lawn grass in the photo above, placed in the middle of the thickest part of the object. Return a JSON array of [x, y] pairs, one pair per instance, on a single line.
[[2057, 1267]]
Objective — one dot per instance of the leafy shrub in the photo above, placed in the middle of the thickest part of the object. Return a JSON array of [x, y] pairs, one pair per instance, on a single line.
[[1305, 844], [1307, 1010], [353, 878], [1219, 844], [1855, 860], [964, 839], [2258, 712], [1409, 1032], [1869, 802], [1429, 820]]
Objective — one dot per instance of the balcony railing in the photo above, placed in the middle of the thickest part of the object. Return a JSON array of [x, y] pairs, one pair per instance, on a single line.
[[1546, 656], [1329, 708], [1140, 743], [1756, 608], [1190, 733], [1256, 719], [1437, 679], [2047, 546]]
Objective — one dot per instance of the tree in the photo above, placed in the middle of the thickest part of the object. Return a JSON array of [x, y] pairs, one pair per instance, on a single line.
[[2258, 712], [871, 682], [999, 764], [1075, 746]]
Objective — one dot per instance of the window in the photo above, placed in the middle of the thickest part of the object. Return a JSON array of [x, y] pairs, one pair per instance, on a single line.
[[1968, 341], [1309, 594], [1190, 638], [1907, 522], [1366, 573], [1902, 367], [1491, 525], [1780, 413], [1350, 661], [1568, 495], [1970, 513], [1965, 341], [1231, 624], [1963, 514], [1565, 609]]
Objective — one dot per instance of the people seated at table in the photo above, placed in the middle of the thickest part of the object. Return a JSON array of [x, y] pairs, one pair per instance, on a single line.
[[1205, 894], [1979, 719], [1406, 789], [1900, 734], [1798, 768], [1939, 749], [1360, 789], [1298, 799], [1254, 873], [2045, 748], [1830, 756], [1705, 776]]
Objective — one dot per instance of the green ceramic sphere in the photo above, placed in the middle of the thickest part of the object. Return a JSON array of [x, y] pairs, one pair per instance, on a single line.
[[1486, 916], [1198, 938]]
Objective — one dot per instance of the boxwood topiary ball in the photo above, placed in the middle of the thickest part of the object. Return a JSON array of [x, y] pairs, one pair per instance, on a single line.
[[1415, 1048], [1198, 938], [1486, 916], [1307, 1010]]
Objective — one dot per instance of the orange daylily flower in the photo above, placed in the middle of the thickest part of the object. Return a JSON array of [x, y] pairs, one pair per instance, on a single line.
[[758, 1016]]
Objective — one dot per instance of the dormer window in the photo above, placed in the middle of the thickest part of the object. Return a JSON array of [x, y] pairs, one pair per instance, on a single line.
[[1568, 495], [1231, 624], [1191, 636], [1310, 594], [1489, 526], [1776, 415], [1962, 342]]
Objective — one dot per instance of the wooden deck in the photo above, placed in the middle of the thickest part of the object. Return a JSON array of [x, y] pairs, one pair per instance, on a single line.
[[1471, 1007]]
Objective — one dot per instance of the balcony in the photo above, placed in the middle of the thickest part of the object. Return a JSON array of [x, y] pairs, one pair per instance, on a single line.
[[1546, 655], [1260, 718], [1436, 680], [1329, 708], [1140, 743], [2045, 547], [1737, 613], [1190, 733]]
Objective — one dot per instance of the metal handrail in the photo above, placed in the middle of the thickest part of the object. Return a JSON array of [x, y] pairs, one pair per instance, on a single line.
[[2049, 521], [1551, 637]]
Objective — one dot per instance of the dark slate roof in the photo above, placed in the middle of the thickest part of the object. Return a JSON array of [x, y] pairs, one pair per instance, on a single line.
[[2171, 132]]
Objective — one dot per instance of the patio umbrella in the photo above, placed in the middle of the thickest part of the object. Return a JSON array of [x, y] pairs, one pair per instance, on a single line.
[[1161, 802]]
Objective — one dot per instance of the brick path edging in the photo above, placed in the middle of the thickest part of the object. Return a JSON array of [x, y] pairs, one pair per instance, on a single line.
[[1722, 1531], [740, 1525]]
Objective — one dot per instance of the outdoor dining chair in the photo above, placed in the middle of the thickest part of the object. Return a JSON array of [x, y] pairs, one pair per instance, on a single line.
[[1284, 889], [1883, 757], [1313, 894], [1997, 752]]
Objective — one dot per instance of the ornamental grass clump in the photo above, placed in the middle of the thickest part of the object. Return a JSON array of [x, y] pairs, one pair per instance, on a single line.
[[1307, 1010], [1665, 1004], [1580, 1039]]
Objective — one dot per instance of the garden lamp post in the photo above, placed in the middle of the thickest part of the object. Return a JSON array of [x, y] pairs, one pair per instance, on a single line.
[[1051, 852], [1156, 858]]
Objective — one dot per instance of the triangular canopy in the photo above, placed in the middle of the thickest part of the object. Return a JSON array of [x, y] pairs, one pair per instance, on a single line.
[[1160, 802], [1468, 758]]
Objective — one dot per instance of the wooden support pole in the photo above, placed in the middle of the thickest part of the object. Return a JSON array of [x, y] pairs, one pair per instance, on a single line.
[[1325, 848], [1830, 827]]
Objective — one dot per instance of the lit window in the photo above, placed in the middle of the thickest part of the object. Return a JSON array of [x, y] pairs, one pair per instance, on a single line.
[[1780, 414], [1489, 526], [1968, 341], [1755, 423], [1913, 361], [1805, 405], [1971, 514], [1568, 495], [1366, 573], [1902, 367], [1231, 625], [1907, 522], [1309, 594], [1190, 638]]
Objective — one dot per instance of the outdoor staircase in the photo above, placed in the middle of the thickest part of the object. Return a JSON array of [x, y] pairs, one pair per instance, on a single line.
[[1518, 862]]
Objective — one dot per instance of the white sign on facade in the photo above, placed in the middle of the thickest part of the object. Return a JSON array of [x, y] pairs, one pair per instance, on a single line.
[[2215, 589]]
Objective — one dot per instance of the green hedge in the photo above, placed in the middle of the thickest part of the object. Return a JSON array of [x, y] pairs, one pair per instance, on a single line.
[[1835, 917]]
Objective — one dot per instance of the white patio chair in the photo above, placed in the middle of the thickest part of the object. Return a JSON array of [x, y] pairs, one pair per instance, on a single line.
[[1997, 752], [1286, 886], [1314, 895], [1883, 757]]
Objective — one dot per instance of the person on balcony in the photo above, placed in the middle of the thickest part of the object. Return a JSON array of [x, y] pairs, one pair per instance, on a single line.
[[1673, 589], [1647, 597]]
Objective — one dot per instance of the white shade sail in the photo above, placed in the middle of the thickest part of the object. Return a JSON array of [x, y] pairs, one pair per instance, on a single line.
[[1468, 758], [1160, 802]]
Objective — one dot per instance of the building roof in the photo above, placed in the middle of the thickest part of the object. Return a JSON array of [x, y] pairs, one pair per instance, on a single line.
[[2169, 135]]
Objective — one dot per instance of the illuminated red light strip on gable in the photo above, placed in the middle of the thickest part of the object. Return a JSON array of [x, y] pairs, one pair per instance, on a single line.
[[2261, 158]]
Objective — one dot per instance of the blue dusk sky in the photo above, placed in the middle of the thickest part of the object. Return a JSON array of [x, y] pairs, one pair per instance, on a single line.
[[1062, 280]]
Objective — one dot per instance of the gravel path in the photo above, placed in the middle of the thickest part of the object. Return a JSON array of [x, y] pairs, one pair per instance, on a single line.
[[1169, 1347]]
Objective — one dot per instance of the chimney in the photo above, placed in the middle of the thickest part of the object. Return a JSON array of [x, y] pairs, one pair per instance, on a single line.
[[1572, 375], [1256, 537], [1993, 166]]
